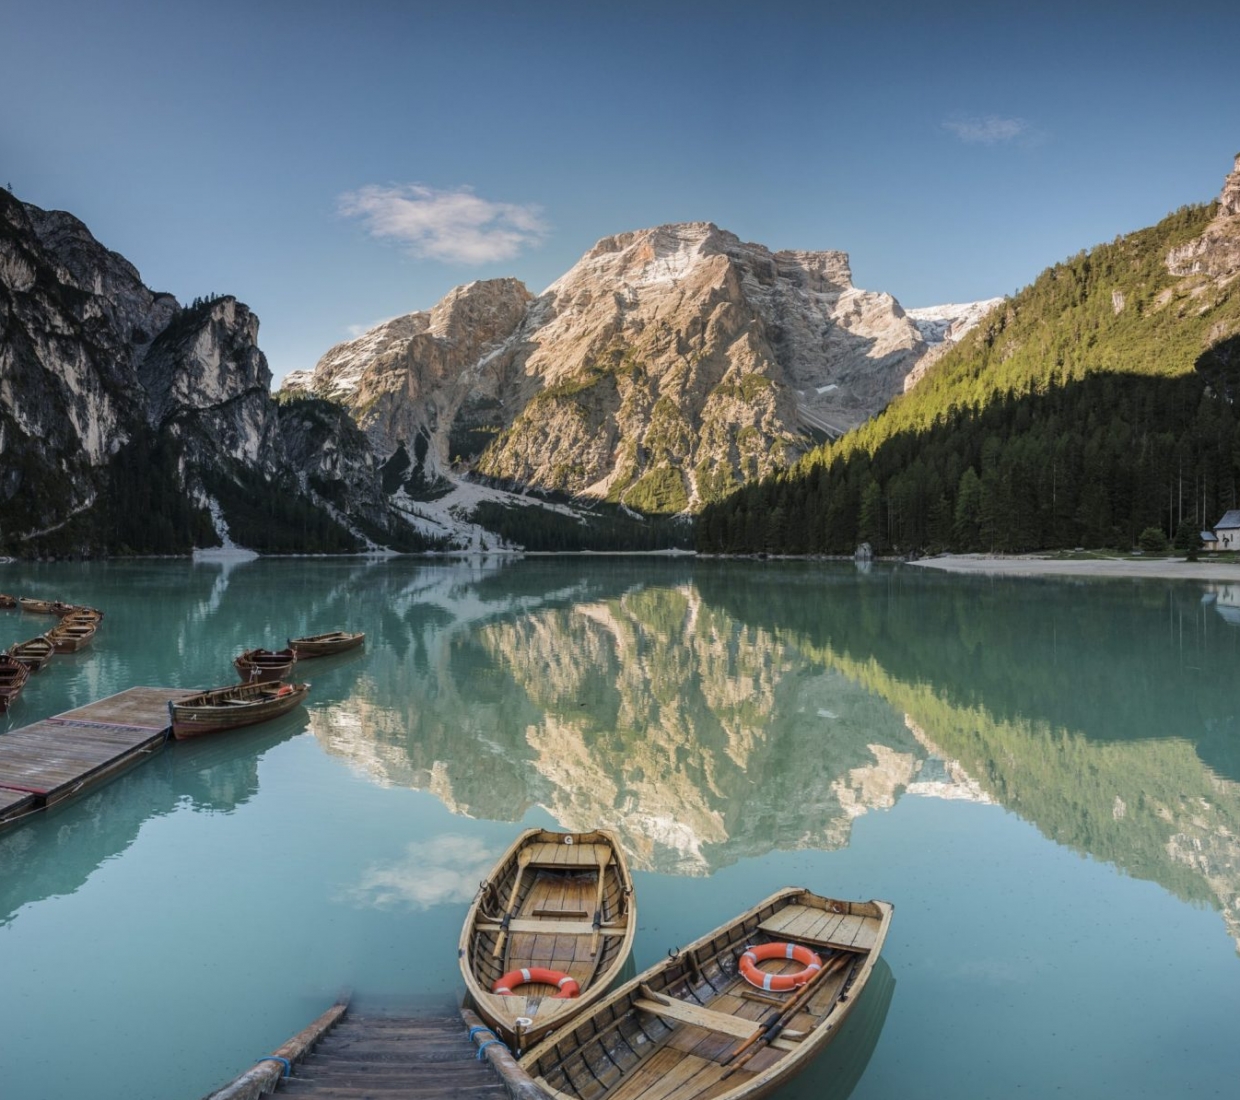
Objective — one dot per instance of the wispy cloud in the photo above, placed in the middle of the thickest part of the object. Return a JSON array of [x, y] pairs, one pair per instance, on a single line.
[[445, 870], [988, 129], [455, 226]]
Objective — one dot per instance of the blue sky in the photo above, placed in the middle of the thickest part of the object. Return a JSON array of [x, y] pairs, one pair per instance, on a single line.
[[334, 164]]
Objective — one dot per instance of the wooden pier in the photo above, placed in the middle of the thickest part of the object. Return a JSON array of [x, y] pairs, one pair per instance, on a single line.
[[345, 1057], [49, 761]]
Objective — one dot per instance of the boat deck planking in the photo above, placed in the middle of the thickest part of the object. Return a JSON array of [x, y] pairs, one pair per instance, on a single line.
[[53, 759]]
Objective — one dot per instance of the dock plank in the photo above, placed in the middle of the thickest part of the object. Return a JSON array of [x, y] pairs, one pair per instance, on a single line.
[[56, 758]]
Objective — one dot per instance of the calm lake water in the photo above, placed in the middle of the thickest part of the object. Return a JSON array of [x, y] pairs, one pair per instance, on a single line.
[[1043, 776]]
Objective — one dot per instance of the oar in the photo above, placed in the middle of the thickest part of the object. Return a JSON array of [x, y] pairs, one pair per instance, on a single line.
[[523, 859], [786, 1014], [603, 862]]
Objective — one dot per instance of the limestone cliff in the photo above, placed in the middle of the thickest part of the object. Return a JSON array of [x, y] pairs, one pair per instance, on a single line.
[[128, 420], [668, 366]]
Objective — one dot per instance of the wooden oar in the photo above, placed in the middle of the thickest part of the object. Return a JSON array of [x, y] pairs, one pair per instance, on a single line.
[[786, 1014], [604, 861], [523, 860]]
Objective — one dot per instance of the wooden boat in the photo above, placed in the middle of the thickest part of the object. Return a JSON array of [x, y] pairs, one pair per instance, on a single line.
[[80, 611], [553, 923], [70, 637], [13, 676], [696, 1027], [35, 607], [323, 645], [233, 707], [34, 654], [59, 607], [7, 602], [264, 665]]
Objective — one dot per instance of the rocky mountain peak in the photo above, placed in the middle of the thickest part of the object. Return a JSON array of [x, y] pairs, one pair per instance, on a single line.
[[1229, 200]]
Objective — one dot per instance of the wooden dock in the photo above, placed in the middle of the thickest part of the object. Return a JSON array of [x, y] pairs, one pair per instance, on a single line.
[[346, 1057], [49, 761]]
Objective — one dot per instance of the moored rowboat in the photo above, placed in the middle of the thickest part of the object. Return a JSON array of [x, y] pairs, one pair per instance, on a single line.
[[36, 607], [13, 676], [34, 654], [322, 645], [697, 1027], [233, 707], [70, 637], [264, 665], [548, 932], [7, 602]]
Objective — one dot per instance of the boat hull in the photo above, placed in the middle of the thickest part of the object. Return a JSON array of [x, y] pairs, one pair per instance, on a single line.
[[694, 1024], [34, 654], [233, 708], [264, 666], [13, 676], [561, 902], [324, 645]]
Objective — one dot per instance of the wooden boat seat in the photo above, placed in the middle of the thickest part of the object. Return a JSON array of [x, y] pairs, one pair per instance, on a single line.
[[568, 855], [550, 927], [821, 928], [672, 1009]]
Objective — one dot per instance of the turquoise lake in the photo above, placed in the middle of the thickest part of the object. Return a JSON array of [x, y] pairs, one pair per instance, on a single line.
[[1042, 776]]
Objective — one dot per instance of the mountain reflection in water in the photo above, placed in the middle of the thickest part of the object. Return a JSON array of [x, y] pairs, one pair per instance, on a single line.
[[714, 712]]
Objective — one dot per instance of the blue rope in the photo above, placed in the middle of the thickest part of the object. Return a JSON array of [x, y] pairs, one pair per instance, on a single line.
[[488, 1043], [477, 1028], [288, 1066]]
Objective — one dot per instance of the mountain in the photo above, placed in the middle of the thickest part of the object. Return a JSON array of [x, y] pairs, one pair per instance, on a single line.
[[666, 368], [131, 423], [1096, 406]]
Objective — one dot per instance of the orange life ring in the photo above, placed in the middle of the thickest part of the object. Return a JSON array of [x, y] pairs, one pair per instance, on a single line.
[[508, 982], [285, 689], [754, 955]]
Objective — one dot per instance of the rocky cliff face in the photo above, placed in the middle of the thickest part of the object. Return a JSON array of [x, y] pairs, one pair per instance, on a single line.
[[1216, 253], [122, 414], [665, 368]]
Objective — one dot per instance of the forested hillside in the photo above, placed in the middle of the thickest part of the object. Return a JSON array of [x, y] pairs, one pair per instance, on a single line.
[[1094, 404]]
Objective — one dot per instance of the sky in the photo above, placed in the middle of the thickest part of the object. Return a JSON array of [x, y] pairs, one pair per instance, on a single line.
[[333, 165]]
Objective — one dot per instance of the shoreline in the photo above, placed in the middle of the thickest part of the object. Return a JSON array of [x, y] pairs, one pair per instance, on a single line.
[[1017, 565]]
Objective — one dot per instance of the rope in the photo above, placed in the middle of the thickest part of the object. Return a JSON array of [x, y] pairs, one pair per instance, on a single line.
[[488, 1043], [288, 1066], [477, 1028]]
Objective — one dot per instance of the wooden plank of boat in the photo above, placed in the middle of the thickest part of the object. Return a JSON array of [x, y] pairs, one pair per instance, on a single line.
[[692, 1027], [559, 905], [233, 707], [264, 665], [35, 607], [323, 645], [34, 653], [13, 676]]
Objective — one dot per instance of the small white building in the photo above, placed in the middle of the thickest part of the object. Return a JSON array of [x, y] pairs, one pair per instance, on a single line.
[[1226, 532]]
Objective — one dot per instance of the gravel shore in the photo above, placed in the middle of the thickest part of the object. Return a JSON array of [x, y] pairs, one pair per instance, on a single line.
[[1034, 566]]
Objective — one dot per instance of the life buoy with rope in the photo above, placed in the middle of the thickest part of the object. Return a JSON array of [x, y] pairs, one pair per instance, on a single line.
[[505, 984], [761, 979]]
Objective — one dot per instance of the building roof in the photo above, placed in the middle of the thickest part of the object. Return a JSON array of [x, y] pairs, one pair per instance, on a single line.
[[1209, 536], [1229, 520]]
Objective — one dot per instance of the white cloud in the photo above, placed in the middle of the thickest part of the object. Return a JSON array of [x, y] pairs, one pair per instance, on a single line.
[[987, 129], [455, 226], [447, 869]]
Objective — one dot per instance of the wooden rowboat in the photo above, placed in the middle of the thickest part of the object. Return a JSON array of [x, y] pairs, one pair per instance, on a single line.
[[233, 707], [34, 654], [70, 637], [264, 665], [694, 1026], [323, 645], [36, 607], [13, 676], [560, 907], [7, 602]]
